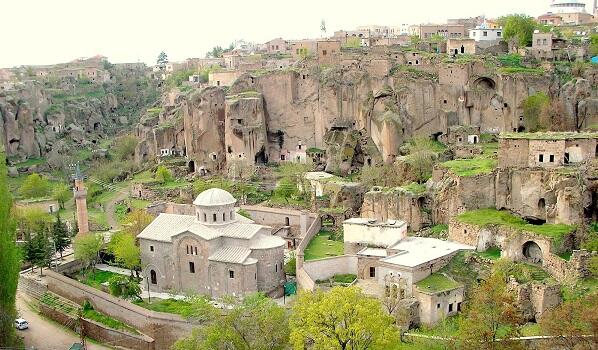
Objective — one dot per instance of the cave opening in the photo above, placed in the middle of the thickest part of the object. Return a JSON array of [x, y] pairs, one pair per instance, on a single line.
[[535, 221], [261, 157], [96, 125], [191, 166]]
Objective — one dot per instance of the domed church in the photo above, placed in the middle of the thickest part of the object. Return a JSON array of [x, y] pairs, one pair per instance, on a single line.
[[215, 252]]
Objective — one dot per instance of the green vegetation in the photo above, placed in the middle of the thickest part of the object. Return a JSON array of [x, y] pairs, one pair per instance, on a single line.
[[346, 278], [97, 279], [171, 306], [414, 188], [31, 162], [56, 302], [91, 314], [437, 282], [470, 167], [163, 175], [533, 108], [521, 70], [492, 253], [321, 246], [510, 60], [562, 135], [438, 229], [9, 263], [486, 217], [522, 272], [35, 186], [518, 28]]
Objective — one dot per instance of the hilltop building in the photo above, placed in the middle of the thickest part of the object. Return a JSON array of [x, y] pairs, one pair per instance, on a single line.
[[568, 12], [214, 252]]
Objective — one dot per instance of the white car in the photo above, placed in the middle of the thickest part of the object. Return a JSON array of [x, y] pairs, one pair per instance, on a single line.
[[21, 324]]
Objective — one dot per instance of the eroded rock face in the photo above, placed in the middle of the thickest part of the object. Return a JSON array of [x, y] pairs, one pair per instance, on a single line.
[[245, 129]]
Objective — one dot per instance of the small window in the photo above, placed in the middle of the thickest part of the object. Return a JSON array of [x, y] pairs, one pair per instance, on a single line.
[[276, 268], [231, 274], [255, 276], [187, 249], [214, 217], [485, 33], [372, 271], [541, 158], [205, 217], [231, 215], [195, 250], [223, 216], [324, 52], [191, 267], [151, 248], [551, 158], [498, 34], [450, 307], [438, 306]]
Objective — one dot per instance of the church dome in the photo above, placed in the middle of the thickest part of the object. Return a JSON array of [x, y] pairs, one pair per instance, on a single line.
[[214, 197]]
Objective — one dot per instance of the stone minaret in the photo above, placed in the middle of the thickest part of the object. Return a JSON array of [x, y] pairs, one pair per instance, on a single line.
[[81, 202]]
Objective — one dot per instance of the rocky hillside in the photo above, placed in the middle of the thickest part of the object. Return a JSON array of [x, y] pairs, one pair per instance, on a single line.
[[55, 118]]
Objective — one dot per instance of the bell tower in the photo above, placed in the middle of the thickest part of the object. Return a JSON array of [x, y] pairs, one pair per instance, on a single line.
[[80, 193]]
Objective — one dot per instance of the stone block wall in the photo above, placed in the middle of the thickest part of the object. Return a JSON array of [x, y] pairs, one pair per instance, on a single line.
[[325, 268], [164, 328], [395, 205], [535, 298]]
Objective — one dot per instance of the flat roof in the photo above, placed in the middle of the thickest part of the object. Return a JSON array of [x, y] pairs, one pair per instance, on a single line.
[[379, 252], [565, 135], [374, 222], [414, 251]]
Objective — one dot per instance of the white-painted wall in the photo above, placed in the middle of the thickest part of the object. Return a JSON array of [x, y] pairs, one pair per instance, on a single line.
[[480, 34], [377, 235]]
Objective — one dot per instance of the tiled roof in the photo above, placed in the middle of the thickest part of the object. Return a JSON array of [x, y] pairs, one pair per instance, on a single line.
[[165, 226], [235, 255]]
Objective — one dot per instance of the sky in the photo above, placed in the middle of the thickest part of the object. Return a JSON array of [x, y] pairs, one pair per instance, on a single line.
[[54, 31]]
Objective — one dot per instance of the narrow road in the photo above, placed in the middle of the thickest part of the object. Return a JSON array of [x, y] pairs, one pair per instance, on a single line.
[[110, 206], [44, 333]]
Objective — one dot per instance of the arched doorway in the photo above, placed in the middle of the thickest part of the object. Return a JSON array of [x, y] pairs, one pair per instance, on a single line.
[[287, 221], [191, 166], [153, 277], [485, 83], [532, 252], [542, 203], [328, 221]]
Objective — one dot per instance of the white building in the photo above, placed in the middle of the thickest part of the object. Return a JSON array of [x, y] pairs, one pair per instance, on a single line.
[[360, 232], [567, 6], [486, 34]]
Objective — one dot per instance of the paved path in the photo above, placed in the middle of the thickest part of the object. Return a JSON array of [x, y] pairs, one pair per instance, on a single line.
[[118, 270], [44, 333]]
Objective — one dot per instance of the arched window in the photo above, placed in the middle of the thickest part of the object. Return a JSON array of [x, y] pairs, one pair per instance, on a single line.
[[223, 216], [153, 277], [287, 221]]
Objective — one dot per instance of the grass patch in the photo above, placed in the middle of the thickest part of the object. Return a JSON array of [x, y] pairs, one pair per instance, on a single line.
[[525, 273], [486, 217], [171, 306], [140, 203], [521, 70], [491, 253], [549, 135], [580, 289], [436, 282], [346, 278], [566, 255], [96, 279], [414, 188], [321, 246], [470, 167], [97, 217], [530, 330], [31, 162], [93, 315]]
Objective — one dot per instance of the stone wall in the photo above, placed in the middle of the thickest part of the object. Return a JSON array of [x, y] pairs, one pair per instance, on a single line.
[[535, 298], [434, 307], [395, 205], [100, 332], [164, 328], [322, 269]]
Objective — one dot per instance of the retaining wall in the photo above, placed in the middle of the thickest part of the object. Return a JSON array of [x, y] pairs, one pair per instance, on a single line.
[[98, 331], [164, 328]]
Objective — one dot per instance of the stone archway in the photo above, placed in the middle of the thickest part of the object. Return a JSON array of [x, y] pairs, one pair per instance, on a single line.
[[532, 252], [484, 83]]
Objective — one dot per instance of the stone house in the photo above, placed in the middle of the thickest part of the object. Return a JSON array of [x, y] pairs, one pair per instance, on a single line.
[[44, 204], [546, 150], [223, 78], [278, 45], [482, 33], [462, 135], [547, 46], [324, 50], [427, 31], [436, 305], [214, 252], [459, 46]]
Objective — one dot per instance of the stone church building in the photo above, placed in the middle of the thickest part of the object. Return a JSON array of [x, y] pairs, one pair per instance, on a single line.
[[215, 252]]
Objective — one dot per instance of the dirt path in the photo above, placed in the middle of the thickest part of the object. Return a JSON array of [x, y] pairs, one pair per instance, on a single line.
[[44, 333], [110, 206]]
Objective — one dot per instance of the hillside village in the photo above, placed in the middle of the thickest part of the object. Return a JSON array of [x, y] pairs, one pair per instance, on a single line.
[[433, 172]]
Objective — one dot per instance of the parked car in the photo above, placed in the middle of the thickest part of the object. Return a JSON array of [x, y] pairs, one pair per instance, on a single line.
[[21, 324]]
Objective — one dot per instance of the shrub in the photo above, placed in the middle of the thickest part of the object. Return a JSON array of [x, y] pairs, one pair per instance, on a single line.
[[163, 175], [35, 186]]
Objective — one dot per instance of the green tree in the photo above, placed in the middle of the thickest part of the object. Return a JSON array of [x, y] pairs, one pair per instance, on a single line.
[[87, 249], [421, 158], [42, 250], [124, 147], [163, 174], [9, 263], [572, 322], [491, 307], [162, 59], [533, 107], [136, 221], [353, 42], [216, 52], [258, 323], [125, 251], [125, 287], [62, 193], [32, 220], [518, 28], [343, 318], [594, 44], [60, 235], [35, 186]]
